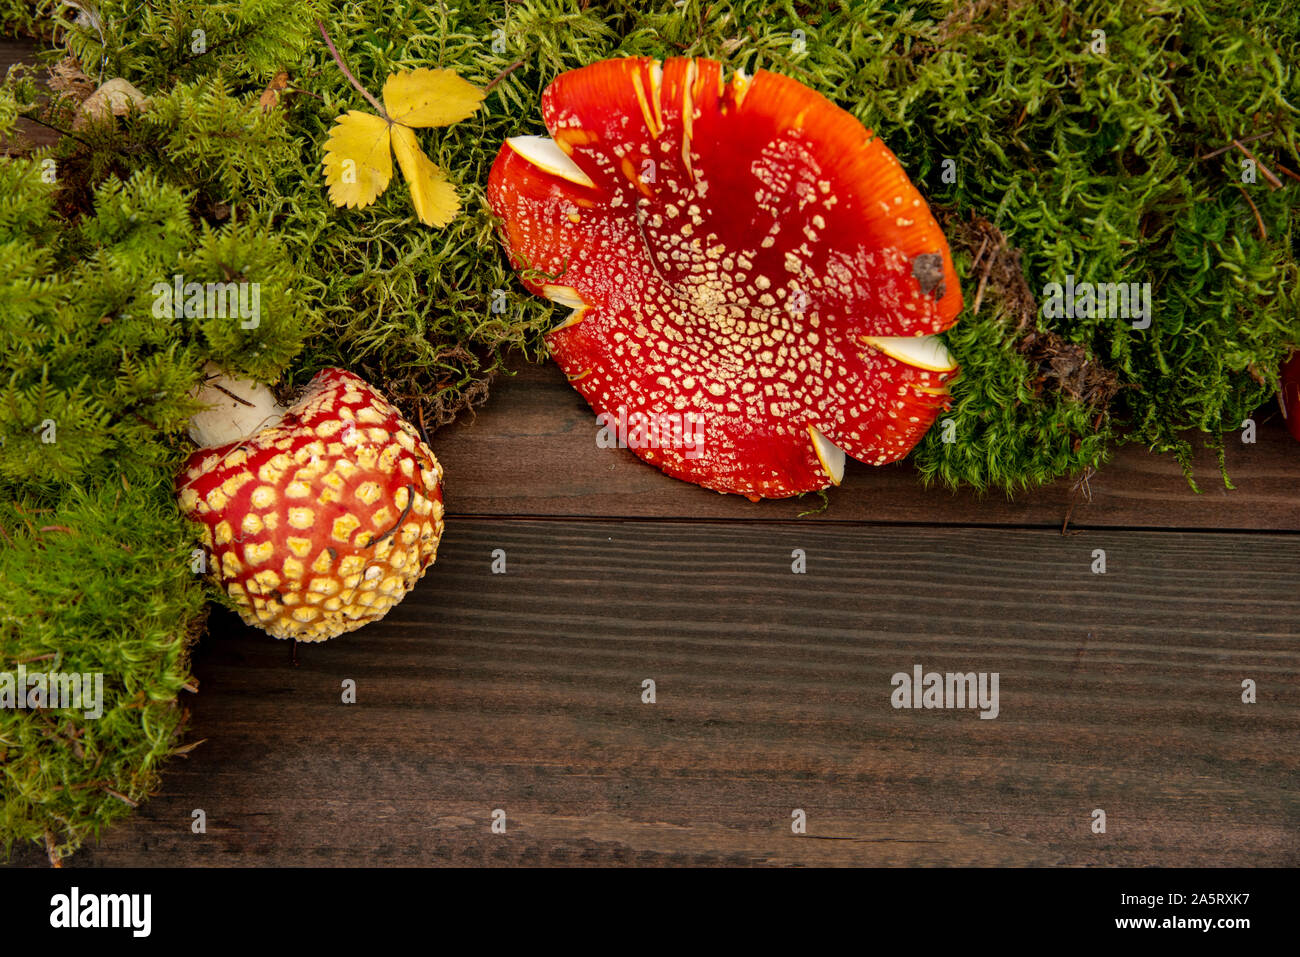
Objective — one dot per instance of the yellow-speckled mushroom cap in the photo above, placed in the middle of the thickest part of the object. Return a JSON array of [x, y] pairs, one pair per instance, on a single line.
[[322, 523]]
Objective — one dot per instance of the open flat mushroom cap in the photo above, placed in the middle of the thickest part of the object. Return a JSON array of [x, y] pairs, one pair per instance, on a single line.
[[741, 255], [324, 521]]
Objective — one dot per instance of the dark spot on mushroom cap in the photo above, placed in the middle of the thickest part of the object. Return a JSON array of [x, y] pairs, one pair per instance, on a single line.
[[927, 268]]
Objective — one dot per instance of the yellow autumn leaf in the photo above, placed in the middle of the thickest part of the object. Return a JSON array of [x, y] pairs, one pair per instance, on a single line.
[[434, 198], [358, 159], [359, 152], [427, 97]]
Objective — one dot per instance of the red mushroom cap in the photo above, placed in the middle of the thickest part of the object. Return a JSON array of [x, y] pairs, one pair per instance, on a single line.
[[324, 521], [743, 253]]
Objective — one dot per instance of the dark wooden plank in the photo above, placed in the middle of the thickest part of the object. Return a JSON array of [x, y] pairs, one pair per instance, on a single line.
[[15, 51], [532, 451], [30, 136], [522, 692]]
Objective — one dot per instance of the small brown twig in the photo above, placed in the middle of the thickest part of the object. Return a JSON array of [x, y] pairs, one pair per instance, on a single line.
[[298, 89], [420, 412], [1268, 173], [348, 73], [45, 657], [221, 388], [1294, 176], [984, 279], [410, 500], [1082, 491], [121, 797], [1263, 233], [503, 74], [50, 126], [1234, 144]]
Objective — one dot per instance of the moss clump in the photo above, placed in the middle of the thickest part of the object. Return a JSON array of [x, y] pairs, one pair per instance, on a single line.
[[1085, 135], [96, 572], [131, 618]]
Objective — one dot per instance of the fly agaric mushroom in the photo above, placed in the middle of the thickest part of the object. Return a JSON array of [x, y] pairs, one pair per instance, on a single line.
[[317, 518], [743, 255]]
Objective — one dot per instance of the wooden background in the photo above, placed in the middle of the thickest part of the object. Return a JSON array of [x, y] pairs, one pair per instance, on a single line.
[[523, 691]]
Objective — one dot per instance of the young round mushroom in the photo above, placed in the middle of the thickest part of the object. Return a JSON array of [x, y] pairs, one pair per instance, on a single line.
[[743, 254], [319, 517]]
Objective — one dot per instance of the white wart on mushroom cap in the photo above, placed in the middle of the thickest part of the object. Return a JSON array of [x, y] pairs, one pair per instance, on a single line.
[[740, 252]]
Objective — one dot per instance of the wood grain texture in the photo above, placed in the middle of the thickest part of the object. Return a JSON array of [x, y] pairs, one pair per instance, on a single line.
[[532, 452], [522, 692]]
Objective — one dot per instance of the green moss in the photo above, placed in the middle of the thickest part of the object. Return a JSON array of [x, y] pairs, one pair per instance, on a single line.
[[66, 776], [1087, 161], [95, 559], [1090, 164]]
